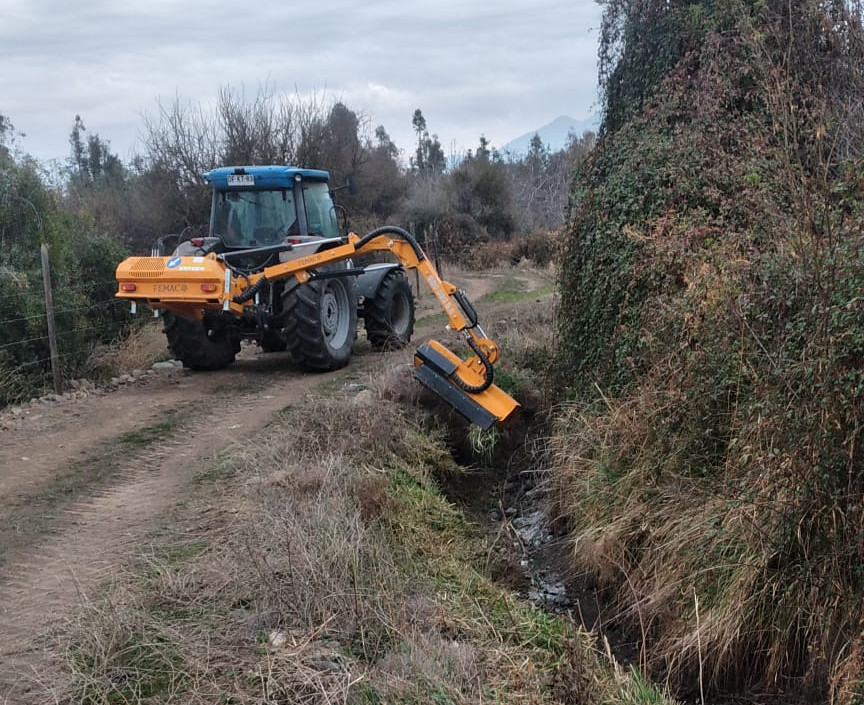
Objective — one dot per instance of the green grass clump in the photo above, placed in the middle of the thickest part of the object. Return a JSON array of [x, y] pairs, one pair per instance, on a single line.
[[128, 660], [150, 434]]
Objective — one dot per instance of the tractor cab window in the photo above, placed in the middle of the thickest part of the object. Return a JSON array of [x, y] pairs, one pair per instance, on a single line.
[[320, 213], [254, 218]]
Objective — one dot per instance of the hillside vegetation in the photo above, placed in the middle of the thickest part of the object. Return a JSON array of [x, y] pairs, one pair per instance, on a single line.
[[712, 338]]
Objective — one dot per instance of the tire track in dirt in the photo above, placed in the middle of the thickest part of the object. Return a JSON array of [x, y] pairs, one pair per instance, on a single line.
[[48, 435], [90, 539]]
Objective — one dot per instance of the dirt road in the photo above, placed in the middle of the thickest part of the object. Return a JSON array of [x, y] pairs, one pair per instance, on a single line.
[[84, 482]]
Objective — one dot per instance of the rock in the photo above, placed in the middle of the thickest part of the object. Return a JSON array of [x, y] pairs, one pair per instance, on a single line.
[[530, 527], [161, 366], [365, 397], [277, 639], [138, 373], [16, 410], [549, 590]]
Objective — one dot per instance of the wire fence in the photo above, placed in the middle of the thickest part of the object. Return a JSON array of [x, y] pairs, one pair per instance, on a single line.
[[60, 312], [90, 315]]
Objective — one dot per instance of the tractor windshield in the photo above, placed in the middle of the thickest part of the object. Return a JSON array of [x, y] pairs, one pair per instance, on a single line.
[[254, 218]]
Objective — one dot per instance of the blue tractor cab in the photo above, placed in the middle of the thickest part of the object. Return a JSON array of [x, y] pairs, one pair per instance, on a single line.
[[256, 206]]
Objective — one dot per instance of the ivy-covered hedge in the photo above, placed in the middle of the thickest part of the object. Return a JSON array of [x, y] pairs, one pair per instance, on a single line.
[[712, 337]]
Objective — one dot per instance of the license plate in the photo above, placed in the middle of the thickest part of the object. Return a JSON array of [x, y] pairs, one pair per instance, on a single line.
[[241, 180]]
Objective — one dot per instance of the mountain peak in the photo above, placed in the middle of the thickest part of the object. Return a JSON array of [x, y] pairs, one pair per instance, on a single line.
[[554, 135]]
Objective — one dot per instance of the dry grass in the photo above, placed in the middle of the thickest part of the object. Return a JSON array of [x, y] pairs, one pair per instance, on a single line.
[[333, 571], [320, 563], [141, 347], [691, 563], [539, 248]]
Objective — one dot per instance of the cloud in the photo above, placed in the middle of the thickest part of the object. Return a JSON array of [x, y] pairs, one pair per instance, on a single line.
[[496, 68]]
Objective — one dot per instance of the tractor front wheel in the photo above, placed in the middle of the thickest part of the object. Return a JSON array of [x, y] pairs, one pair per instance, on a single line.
[[389, 314]]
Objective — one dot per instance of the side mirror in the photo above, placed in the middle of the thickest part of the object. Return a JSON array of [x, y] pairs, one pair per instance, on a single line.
[[351, 184]]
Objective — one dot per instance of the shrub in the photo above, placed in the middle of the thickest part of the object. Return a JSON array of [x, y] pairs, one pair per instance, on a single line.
[[711, 331]]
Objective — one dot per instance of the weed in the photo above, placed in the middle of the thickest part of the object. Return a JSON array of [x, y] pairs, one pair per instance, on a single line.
[[126, 658], [138, 349], [636, 690], [483, 442], [152, 433], [220, 470]]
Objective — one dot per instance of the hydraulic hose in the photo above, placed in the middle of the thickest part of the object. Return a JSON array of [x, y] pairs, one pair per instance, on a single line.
[[403, 234], [487, 378], [250, 293]]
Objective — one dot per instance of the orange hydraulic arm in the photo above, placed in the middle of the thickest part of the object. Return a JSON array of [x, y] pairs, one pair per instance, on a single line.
[[209, 282]]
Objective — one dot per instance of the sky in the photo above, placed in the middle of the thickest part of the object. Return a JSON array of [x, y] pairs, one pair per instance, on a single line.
[[499, 68]]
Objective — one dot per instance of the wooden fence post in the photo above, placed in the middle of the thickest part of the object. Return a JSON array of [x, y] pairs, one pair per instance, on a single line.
[[49, 317]]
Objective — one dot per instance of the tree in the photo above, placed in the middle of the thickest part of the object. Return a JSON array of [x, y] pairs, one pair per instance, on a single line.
[[540, 182], [538, 153], [479, 187], [429, 159], [83, 260], [91, 160], [5, 130], [384, 186], [344, 153]]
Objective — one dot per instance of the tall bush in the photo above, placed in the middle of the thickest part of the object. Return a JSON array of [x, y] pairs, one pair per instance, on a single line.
[[712, 333], [83, 262]]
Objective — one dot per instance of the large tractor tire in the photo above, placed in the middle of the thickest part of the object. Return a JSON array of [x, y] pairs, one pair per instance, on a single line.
[[320, 322], [198, 346], [389, 314]]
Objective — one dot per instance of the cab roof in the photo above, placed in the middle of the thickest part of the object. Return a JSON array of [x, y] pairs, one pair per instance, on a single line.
[[264, 177]]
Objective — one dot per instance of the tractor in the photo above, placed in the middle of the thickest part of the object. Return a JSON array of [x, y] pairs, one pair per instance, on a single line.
[[276, 267]]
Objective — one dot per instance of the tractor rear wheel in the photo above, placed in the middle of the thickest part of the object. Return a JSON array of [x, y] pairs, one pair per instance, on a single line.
[[389, 315], [197, 345], [320, 322]]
